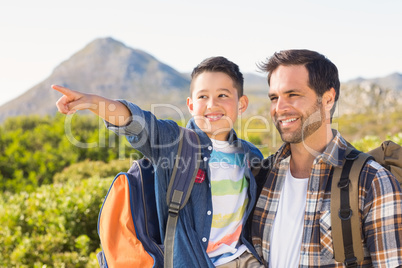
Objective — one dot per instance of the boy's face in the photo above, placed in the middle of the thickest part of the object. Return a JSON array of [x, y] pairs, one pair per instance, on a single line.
[[214, 104]]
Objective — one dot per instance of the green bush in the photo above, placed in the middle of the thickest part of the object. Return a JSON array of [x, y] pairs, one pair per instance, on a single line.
[[92, 169], [56, 225], [368, 143], [33, 149]]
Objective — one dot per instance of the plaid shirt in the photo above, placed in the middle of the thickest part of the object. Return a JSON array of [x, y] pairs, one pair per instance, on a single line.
[[380, 210]]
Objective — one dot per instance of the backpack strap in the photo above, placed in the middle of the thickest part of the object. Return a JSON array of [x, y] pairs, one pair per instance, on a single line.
[[345, 220], [181, 183]]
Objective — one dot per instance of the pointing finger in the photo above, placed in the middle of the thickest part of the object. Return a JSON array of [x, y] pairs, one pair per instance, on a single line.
[[63, 90]]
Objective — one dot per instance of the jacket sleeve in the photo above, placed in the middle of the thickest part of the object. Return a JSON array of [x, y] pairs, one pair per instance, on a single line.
[[152, 137]]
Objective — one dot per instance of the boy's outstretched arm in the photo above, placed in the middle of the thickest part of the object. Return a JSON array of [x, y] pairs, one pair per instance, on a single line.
[[112, 111]]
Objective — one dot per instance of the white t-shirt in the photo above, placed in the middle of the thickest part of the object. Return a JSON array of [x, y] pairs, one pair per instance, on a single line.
[[229, 189], [287, 231]]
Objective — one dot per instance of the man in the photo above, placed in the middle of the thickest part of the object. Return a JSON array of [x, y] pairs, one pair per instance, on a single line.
[[291, 225]]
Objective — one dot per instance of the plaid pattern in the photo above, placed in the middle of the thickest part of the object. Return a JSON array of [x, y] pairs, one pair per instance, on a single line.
[[380, 209], [200, 176]]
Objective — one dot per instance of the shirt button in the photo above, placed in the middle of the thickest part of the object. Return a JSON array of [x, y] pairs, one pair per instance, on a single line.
[[209, 212], [204, 239], [210, 148], [205, 158]]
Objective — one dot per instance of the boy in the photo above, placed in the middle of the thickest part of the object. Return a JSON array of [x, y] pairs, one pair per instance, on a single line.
[[210, 227]]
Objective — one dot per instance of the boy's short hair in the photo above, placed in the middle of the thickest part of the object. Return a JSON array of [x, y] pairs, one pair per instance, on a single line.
[[220, 64]]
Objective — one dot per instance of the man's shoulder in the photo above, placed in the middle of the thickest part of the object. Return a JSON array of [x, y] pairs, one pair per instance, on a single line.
[[374, 173]]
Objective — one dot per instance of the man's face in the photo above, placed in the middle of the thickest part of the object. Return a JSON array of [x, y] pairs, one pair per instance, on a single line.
[[215, 104], [295, 108]]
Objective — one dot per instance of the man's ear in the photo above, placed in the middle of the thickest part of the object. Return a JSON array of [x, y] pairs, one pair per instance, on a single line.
[[243, 104], [328, 99], [190, 105]]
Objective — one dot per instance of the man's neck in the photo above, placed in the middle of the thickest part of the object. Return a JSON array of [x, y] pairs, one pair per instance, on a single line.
[[304, 153]]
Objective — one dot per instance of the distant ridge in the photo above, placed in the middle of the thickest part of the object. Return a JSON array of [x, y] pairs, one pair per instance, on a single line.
[[392, 81], [110, 68]]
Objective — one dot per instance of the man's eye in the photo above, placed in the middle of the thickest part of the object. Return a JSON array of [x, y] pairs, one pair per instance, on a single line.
[[223, 95], [273, 98]]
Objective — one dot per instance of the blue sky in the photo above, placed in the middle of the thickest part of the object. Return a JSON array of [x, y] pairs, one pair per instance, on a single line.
[[361, 37]]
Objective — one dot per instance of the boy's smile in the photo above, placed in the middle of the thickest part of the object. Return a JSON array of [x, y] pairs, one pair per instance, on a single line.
[[214, 104], [213, 116]]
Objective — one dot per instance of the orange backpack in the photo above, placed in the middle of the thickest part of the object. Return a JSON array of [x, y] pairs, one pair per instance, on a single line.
[[128, 224]]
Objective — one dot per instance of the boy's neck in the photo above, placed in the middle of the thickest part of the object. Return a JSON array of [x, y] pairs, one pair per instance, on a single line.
[[220, 136]]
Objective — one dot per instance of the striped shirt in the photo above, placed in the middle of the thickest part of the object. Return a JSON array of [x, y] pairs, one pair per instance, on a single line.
[[380, 210], [229, 201]]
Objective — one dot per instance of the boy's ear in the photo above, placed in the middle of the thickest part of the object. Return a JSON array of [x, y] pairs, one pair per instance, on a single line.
[[243, 104], [190, 105]]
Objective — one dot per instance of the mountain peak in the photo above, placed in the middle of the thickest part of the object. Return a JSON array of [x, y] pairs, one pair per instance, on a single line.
[[106, 40], [109, 68], [105, 45]]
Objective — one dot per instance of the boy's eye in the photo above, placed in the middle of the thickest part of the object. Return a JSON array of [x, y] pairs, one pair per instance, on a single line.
[[223, 95], [202, 97]]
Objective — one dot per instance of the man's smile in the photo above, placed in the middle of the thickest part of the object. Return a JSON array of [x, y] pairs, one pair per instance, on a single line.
[[287, 122]]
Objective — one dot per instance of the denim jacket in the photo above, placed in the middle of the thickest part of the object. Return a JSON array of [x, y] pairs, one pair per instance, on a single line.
[[157, 140]]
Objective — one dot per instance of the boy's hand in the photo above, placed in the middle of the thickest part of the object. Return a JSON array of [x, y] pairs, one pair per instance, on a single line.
[[111, 111], [72, 101]]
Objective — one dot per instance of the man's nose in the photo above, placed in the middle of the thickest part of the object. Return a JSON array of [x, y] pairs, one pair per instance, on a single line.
[[282, 105]]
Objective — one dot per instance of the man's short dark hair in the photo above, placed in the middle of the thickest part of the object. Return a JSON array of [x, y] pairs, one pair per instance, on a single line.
[[323, 74]]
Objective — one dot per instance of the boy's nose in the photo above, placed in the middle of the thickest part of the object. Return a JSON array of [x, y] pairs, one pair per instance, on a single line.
[[211, 102]]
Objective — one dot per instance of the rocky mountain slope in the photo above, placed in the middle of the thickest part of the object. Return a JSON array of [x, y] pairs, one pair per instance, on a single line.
[[108, 67], [105, 67]]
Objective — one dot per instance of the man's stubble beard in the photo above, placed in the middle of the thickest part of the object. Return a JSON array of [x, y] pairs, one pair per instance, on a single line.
[[310, 123]]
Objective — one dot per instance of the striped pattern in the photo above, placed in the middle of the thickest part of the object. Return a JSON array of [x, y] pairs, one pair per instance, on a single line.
[[380, 202], [229, 200]]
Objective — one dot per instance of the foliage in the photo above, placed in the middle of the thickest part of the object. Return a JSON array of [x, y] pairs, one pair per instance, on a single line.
[[368, 143], [51, 171], [33, 149], [354, 127], [56, 225], [89, 169]]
